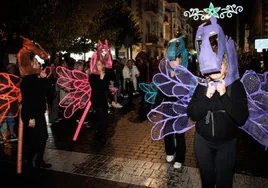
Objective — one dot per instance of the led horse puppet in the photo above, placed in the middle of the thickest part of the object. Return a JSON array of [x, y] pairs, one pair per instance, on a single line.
[[10, 93], [175, 48], [25, 65], [77, 83], [168, 116], [184, 83], [9, 87]]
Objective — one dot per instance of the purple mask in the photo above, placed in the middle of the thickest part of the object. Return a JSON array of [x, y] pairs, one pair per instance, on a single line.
[[211, 45]]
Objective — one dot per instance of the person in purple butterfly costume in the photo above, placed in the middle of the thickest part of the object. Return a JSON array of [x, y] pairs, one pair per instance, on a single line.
[[175, 146], [218, 106]]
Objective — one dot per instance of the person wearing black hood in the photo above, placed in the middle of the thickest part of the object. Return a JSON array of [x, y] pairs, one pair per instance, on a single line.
[[218, 112], [34, 90]]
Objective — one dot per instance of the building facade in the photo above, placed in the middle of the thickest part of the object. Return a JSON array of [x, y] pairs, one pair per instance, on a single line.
[[150, 18], [259, 23], [158, 20]]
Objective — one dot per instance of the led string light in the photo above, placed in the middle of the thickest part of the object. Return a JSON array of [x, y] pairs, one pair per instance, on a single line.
[[217, 12]]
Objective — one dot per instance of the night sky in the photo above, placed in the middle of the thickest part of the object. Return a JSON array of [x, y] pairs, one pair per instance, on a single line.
[[228, 24]]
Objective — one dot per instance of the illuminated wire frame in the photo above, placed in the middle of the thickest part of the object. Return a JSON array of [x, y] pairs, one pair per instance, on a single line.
[[217, 12], [79, 93], [10, 95], [256, 86], [171, 117], [23, 56], [150, 91], [103, 54], [79, 90]]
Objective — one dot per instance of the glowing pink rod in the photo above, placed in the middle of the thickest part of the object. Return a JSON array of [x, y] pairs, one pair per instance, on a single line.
[[81, 121], [77, 84]]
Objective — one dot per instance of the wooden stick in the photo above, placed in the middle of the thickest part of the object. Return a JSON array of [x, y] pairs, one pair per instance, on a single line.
[[20, 142]]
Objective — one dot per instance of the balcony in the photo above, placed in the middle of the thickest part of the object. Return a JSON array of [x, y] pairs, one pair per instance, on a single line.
[[151, 39], [151, 8], [166, 19], [166, 43]]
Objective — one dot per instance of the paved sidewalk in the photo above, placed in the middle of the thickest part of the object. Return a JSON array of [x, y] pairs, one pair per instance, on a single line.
[[136, 172], [129, 159]]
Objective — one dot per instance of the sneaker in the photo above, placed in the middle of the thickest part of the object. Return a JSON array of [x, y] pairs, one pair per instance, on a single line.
[[169, 158], [88, 126], [109, 105], [12, 137], [136, 93], [125, 96], [177, 165], [118, 105]]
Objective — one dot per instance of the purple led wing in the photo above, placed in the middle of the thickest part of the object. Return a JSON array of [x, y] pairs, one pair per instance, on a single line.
[[169, 118], [257, 94]]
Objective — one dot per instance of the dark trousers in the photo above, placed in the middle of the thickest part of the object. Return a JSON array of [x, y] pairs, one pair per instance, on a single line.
[[216, 162], [102, 118], [129, 90], [35, 139], [179, 149], [142, 103]]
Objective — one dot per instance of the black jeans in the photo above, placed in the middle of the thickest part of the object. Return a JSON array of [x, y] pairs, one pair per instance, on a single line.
[[216, 162], [179, 149], [129, 90], [102, 118], [35, 139]]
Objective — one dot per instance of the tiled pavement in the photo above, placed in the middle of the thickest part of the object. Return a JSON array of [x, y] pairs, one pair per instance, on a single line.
[[136, 172], [131, 159]]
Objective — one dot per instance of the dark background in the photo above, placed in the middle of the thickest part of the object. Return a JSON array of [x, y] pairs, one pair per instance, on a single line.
[[228, 24]]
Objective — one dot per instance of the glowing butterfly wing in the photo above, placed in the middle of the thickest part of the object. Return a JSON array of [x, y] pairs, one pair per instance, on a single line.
[[79, 90], [150, 91], [182, 84], [169, 118], [257, 94], [187, 82], [163, 81], [10, 95]]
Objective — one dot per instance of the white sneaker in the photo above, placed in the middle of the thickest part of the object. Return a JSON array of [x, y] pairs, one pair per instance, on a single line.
[[169, 158], [118, 105], [177, 165]]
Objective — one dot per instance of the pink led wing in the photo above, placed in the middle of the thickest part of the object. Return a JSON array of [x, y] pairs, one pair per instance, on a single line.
[[76, 83]]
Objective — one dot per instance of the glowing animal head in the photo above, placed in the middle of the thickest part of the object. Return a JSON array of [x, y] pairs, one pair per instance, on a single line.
[[175, 48], [211, 45], [104, 55], [26, 65]]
